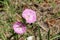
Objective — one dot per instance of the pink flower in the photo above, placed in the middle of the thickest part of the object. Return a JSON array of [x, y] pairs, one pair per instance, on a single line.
[[29, 15], [19, 28]]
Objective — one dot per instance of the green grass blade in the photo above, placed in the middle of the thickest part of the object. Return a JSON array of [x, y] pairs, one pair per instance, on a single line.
[[57, 36], [48, 35], [40, 37]]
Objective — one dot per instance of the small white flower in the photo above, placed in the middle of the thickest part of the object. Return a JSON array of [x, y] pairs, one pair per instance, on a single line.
[[30, 38]]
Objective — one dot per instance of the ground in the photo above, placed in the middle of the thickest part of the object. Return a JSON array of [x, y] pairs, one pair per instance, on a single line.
[[46, 27]]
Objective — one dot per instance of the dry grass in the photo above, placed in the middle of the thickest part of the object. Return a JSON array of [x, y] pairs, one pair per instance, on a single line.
[[48, 17]]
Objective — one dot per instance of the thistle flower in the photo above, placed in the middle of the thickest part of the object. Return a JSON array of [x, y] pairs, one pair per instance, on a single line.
[[29, 15], [19, 28]]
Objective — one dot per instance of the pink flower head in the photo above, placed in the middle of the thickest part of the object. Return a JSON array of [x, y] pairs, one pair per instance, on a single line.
[[19, 28], [29, 15]]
